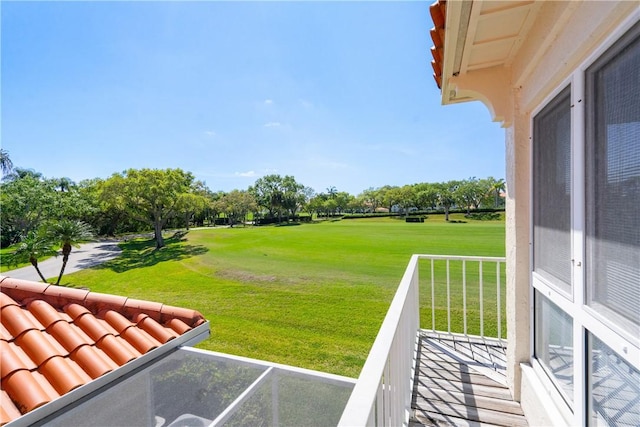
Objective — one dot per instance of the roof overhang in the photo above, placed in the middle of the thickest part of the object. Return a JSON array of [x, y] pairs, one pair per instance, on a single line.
[[508, 51], [475, 44]]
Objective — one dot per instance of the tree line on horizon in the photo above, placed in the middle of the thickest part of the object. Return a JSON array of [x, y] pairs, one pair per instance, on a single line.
[[139, 200]]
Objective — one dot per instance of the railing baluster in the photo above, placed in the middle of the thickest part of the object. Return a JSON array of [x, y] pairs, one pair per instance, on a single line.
[[481, 300], [499, 304], [433, 298], [464, 295], [448, 300]]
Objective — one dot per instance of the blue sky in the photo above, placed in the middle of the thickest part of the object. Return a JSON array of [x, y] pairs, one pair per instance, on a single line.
[[335, 94]]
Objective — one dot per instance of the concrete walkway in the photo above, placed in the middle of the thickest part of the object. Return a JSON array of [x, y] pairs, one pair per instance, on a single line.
[[87, 256]]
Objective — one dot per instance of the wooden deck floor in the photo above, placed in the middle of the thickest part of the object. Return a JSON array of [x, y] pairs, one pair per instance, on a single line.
[[461, 382]]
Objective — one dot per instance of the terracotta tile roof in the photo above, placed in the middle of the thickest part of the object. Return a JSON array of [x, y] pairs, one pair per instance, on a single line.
[[438, 11], [55, 339]]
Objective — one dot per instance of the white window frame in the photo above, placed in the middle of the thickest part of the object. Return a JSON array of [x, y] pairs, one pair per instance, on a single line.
[[584, 317]]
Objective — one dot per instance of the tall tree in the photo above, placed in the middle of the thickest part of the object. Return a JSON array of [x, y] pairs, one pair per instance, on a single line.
[[26, 203], [194, 202], [20, 173], [316, 204], [237, 204], [371, 199], [268, 194], [35, 245], [64, 184], [293, 195], [469, 193], [446, 196], [309, 193], [150, 195], [330, 206], [426, 195], [389, 195], [496, 188], [68, 233], [277, 194], [342, 201], [406, 198], [6, 165]]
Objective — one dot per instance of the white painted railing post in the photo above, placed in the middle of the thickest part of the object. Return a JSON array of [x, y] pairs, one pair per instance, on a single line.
[[382, 394]]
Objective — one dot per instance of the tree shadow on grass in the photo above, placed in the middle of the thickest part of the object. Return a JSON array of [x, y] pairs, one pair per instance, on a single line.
[[143, 253]]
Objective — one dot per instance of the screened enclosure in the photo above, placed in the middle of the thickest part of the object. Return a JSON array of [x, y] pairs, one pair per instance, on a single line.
[[192, 388]]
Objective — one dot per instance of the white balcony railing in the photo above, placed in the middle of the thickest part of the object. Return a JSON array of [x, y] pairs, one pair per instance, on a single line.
[[382, 394], [471, 289]]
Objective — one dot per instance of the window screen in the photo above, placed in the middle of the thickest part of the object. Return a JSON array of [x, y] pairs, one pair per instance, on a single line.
[[613, 182], [552, 191]]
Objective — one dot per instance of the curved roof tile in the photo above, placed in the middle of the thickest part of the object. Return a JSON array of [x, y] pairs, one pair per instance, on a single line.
[[438, 11], [55, 339]]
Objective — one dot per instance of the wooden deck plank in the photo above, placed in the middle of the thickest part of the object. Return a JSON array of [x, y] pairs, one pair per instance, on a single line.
[[460, 373], [472, 413], [440, 419], [462, 387], [469, 399], [478, 390], [430, 360], [441, 347], [487, 356], [435, 419], [491, 347]]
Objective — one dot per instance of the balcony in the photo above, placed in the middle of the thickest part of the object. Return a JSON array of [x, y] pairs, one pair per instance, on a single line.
[[453, 371]]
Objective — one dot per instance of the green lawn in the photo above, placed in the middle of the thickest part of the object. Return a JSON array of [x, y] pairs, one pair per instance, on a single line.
[[311, 295]]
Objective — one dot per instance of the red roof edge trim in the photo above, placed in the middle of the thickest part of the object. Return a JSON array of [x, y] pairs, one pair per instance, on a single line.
[[438, 11]]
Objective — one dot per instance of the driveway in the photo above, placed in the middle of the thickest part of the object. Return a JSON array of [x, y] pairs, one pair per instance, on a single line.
[[87, 256]]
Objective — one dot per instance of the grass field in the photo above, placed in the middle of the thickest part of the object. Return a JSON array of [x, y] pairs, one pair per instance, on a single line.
[[311, 295], [4, 264]]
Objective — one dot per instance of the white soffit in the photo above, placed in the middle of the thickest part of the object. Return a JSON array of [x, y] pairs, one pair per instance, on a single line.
[[496, 31]]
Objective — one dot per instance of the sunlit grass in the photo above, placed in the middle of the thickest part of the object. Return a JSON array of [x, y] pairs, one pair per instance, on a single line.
[[311, 295]]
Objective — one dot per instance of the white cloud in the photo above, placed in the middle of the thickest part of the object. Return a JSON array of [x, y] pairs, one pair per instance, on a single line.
[[248, 174], [305, 103], [272, 124], [268, 101], [209, 133]]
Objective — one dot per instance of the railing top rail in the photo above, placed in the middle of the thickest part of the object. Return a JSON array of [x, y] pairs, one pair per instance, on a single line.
[[461, 258], [364, 392]]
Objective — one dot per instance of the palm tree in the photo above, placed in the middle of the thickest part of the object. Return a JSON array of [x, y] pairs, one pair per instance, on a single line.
[[498, 187], [6, 165], [69, 233], [64, 184], [35, 245], [21, 173]]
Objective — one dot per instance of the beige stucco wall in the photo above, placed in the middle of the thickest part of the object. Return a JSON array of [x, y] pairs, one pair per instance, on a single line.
[[518, 222]]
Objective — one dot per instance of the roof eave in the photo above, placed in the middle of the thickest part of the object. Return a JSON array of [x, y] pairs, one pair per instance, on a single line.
[[456, 25]]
